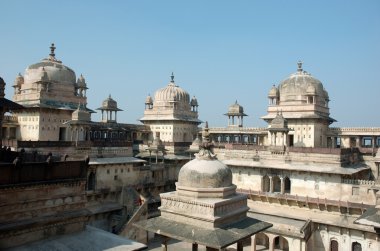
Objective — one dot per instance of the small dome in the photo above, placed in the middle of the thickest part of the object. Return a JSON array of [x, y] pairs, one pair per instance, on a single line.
[[55, 70], [81, 114], [81, 82], [236, 109], [205, 171], [109, 105], [194, 101], [19, 80], [273, 93], [172, 92], [149, 100], [279, 122], [202, 173], [311, 90]]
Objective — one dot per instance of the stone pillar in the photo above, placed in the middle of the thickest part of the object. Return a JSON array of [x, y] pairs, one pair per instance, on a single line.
[[270, 184], [271, 243], [164, 243], [358, 141], [282, 185], [253, 243], [7, 132], [239, 246], [285, 139], [194, 247]]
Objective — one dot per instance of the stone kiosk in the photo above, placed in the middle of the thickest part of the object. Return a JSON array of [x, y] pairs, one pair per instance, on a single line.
[[205, 209]]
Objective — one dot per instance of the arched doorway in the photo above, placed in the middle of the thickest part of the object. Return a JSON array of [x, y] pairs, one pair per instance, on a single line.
[[356, 246], [287, 184], [280, 243], [276, 184], [262, 242], [266, 184], [334, 245], [91, 181]]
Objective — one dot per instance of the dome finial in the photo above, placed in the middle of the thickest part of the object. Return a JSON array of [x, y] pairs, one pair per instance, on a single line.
[[172, 77], [52, 49], [299, 66]]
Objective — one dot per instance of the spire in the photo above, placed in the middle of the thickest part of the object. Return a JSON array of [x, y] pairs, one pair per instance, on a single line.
[[206, 151], [299, 66], [172, 77], [52, 49]]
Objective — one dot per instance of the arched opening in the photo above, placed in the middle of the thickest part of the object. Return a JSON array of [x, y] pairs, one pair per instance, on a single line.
[[356, 246], [266, 184], [280, 243], [334, 246], [287, 184], [276, 184], [262, 242], [91, 181]]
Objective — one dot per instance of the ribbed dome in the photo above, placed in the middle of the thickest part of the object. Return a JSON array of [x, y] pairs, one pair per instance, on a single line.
[[55, 70], [201, 173], [273, 93], [300, 84], [172, 92]]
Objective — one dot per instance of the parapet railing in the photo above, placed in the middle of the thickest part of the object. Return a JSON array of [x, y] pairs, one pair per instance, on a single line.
[[358, 182], [18, 173]]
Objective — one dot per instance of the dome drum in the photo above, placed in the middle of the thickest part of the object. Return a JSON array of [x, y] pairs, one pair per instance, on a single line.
[[219, 192]]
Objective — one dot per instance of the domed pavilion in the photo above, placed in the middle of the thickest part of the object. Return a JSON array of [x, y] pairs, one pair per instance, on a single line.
[[205, 209], [304, 104], [50, 93], [172, 116]]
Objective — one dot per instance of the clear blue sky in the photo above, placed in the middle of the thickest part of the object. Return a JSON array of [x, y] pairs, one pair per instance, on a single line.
[[219, 51]]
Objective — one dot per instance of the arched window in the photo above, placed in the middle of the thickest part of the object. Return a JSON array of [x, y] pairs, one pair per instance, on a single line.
[[287, 184], [280, 243], [276, 184], [356, 246], [262, 241], [266, 184], [334, 245]]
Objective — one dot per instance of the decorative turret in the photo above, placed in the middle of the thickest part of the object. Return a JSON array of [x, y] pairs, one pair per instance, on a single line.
[[148, 102], [81, 86], [235, 110], [273, 96], [194, 104], [109, 106]]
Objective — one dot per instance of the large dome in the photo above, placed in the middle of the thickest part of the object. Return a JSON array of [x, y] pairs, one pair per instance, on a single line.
[[301, 84], [205, 173], [172, 92], [55, 70]]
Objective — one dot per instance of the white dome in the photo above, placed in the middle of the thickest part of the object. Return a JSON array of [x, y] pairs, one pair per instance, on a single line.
[[56, 71], [301, 84]]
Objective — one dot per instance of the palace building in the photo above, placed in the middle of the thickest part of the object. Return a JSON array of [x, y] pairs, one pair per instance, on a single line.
[[316, 185]]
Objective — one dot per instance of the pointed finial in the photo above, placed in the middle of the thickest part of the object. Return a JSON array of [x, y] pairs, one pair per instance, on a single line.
[[236, 102], [172, 77], [299, 66], [109, 95], [52, 49]]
